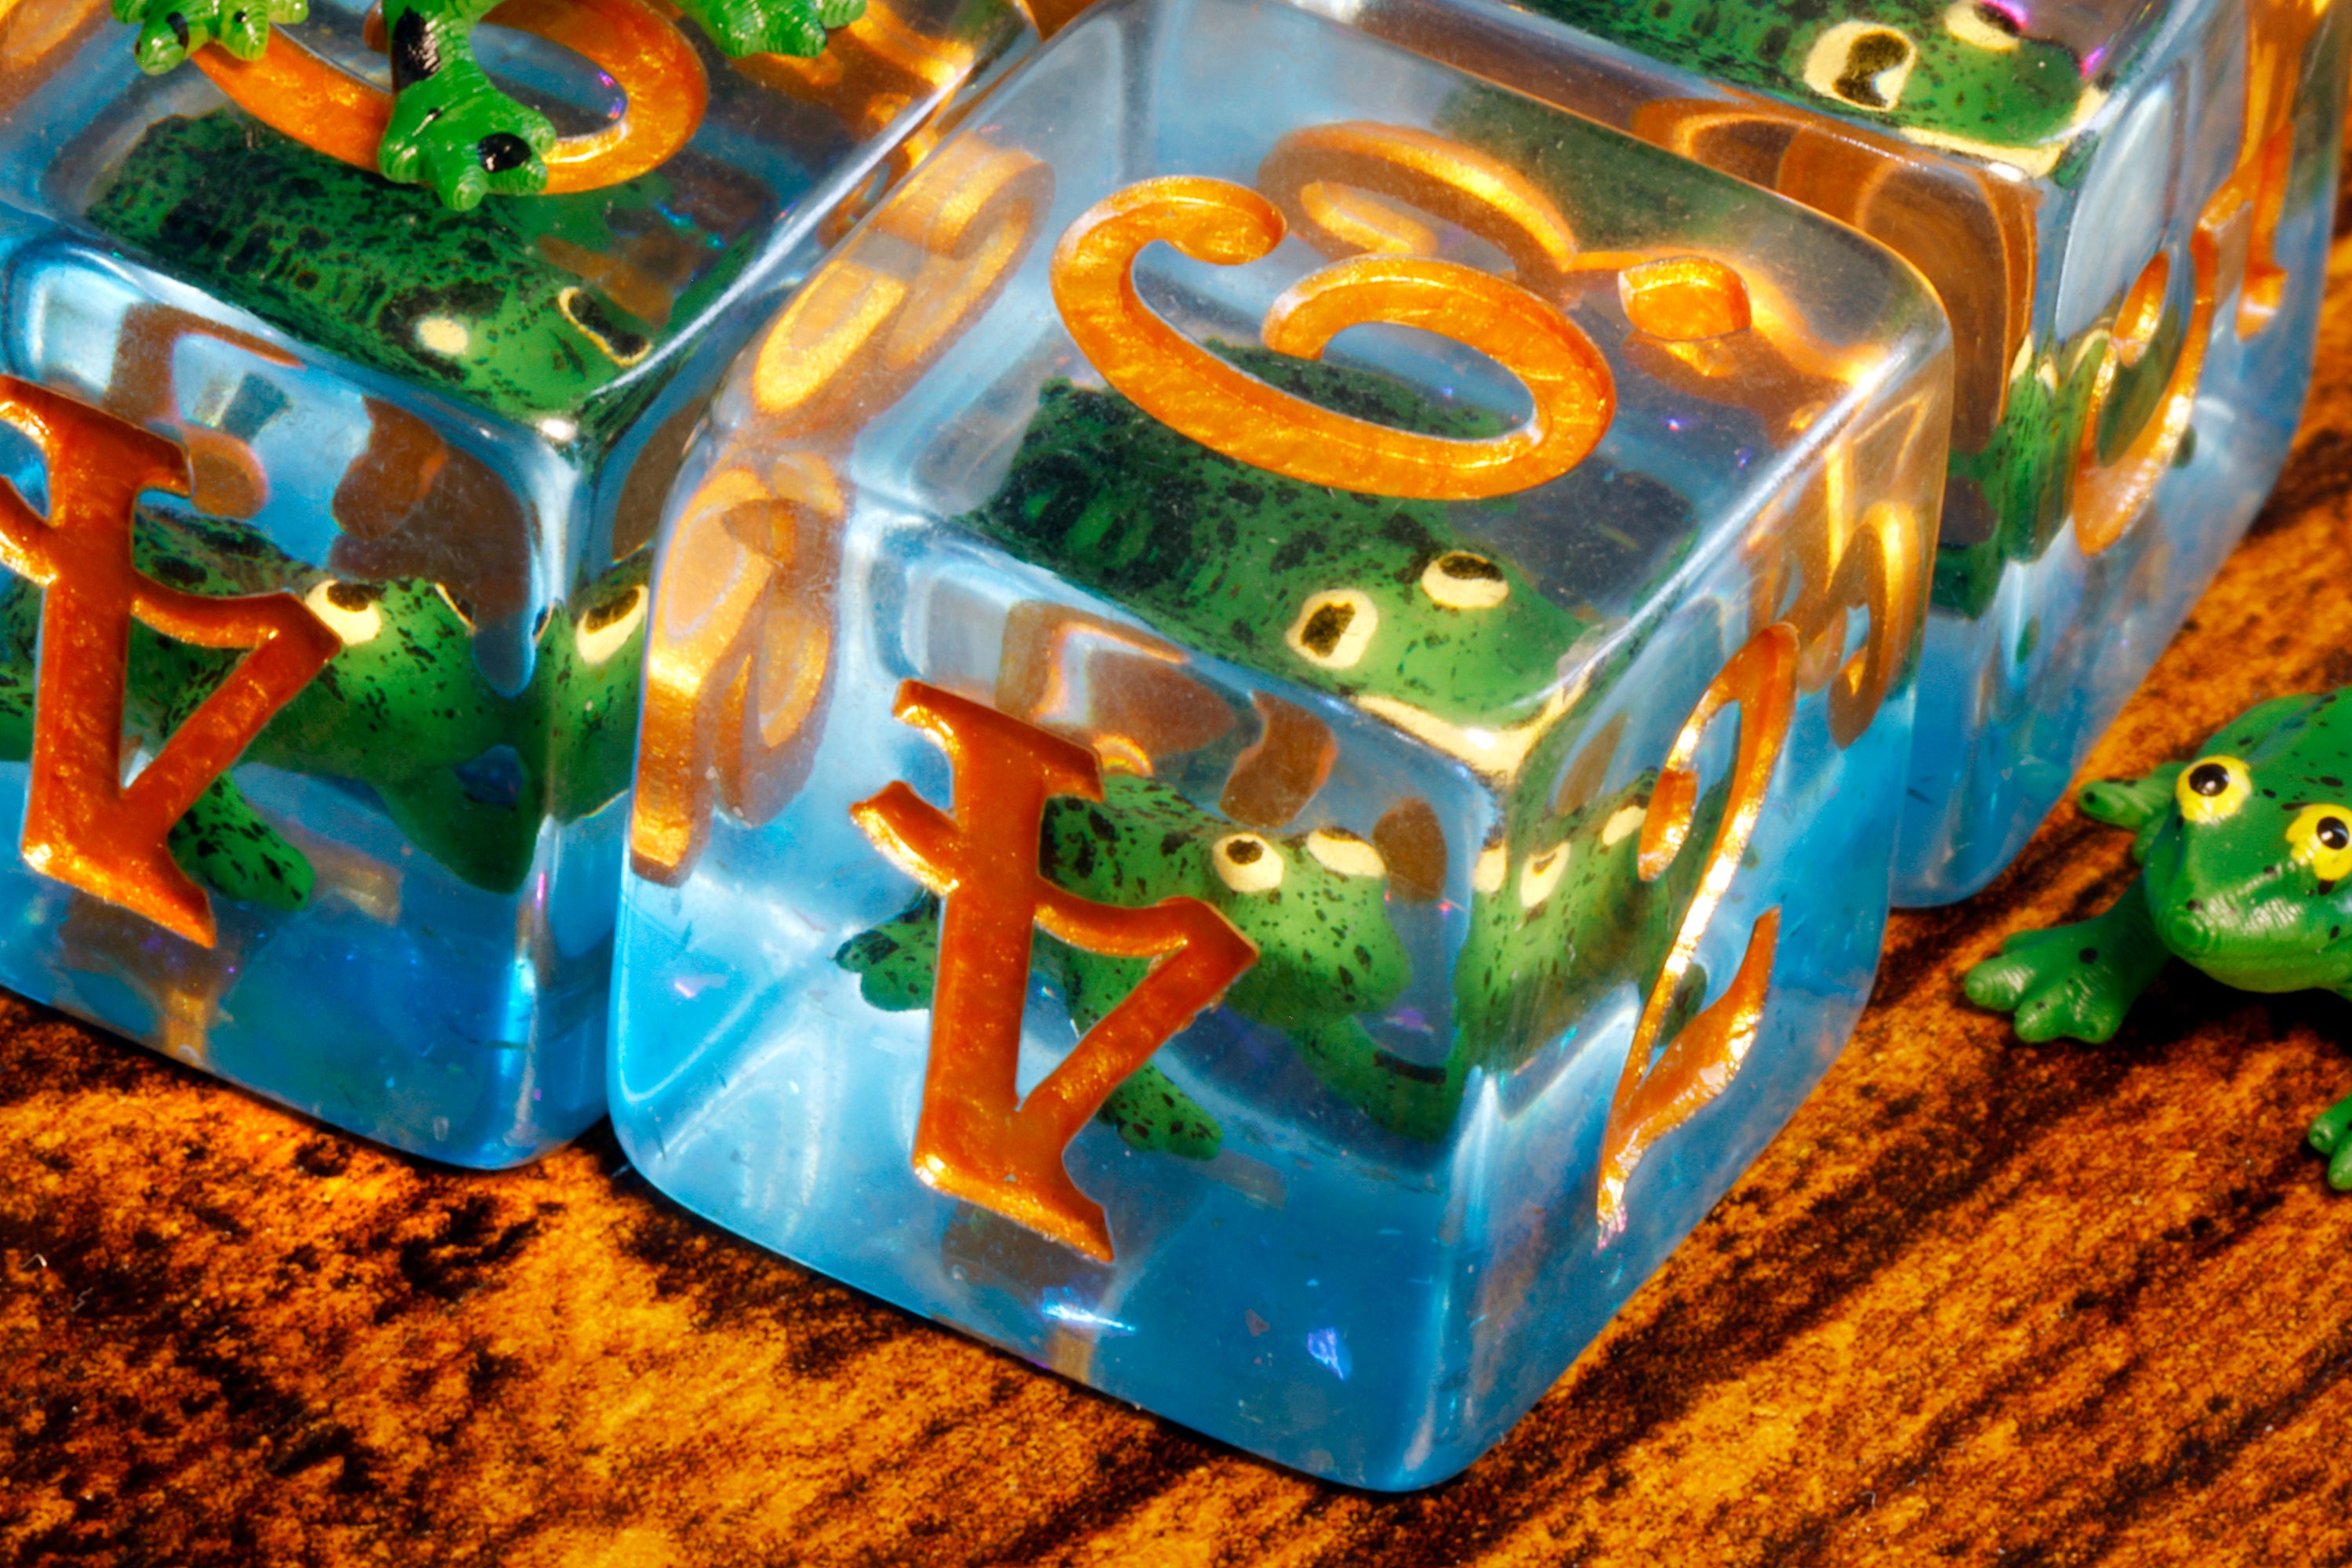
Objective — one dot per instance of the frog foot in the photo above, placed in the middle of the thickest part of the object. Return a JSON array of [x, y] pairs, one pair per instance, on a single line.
[[2069, 980], [171, 30], [2331, 1135], [1154, 1116], [456, 132], [772, 27], [223, 843]]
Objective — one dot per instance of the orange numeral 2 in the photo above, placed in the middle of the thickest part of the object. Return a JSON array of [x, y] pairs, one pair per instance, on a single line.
[[83, 825], [976, 1140], [1651, 1101]]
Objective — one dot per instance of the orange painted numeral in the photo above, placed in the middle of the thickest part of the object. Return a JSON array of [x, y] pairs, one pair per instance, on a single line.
[[739, 662], [332, 109], [83, 825], [1184, 385], [976, 1140], [1700, 1062]]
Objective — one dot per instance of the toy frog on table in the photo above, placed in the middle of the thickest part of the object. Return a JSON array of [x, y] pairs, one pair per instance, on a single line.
[[2245, 858]]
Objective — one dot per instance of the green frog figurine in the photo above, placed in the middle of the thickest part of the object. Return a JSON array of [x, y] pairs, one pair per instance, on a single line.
[[467, 772], [451, 127], [2245, 857]]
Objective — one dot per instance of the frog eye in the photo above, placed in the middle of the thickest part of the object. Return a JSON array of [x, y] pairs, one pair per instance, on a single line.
[[1334, 628], [1487, 871], [1861, 63], [1623, 822], [1246, 863], [2321, 837], [2213, 789], [1336, 849], [1542, 874], [1985, 24], [609, 623], [1461, 581], [622, 346], [457, 606], [349, 609]]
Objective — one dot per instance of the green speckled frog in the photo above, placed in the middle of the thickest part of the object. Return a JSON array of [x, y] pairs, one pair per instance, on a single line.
[[1311, 902], [451, 127], [2245, 858], [1974, 75], [467, 772], [538, 313], [1372, 599]]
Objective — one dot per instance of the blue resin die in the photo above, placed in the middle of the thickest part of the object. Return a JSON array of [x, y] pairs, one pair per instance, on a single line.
[[1267, 820], [323, 626], [2124, 207]]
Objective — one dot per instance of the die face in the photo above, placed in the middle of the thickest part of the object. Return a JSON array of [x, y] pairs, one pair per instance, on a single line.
[[426, 443], [961, 573], [2125, 210]]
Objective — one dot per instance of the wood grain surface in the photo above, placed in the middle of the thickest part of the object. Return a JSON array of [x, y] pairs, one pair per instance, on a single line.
[[1980, 1303]]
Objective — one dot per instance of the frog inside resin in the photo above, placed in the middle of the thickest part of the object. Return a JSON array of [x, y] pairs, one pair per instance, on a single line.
[[466, 771], [451, 128], [537, 312], [2245, 857], [1378, 602]]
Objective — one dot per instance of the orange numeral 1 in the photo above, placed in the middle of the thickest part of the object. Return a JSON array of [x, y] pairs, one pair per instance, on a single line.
[[976, 1140], [1701, 1061], [83, 825]]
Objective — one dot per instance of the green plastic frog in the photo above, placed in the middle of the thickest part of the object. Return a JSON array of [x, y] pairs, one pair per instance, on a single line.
[[1311, 902], [539, 312], [451, 128], [1972, 74], [467, 772], [1375, 600], [2245, 858]]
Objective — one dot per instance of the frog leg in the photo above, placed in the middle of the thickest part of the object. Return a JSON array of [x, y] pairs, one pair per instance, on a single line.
[[772, 27], [2328, 1136], [223, 842], [2130, 804], [485, 843], [171, 30], [1154, 1116], [896, 960], [450, 128], [1405, 1097], [2078, 980]]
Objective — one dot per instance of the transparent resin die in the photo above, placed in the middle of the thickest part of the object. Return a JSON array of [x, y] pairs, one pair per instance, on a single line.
[[323, 617], [1267, 820], [2124, 207]]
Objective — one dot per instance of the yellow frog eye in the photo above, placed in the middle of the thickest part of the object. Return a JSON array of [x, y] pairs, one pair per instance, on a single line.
[[1334, 628], [1461, 581], [2321, 837], [1985, 24], [1246, 863], [349, 609], [2212, 789], [1336, 849], [609, 622], [1862, 63], [1542, 874]]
